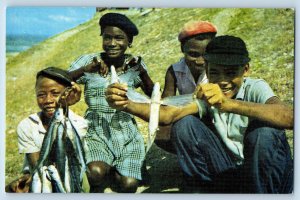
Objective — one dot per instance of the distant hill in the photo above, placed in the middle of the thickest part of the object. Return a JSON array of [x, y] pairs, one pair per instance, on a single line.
[[269, 34]]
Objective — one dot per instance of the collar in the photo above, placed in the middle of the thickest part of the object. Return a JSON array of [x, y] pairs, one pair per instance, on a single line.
[[241, 92], [35, 118]]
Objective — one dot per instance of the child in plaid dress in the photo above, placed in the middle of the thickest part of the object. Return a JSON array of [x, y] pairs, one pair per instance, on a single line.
[[113, 141]]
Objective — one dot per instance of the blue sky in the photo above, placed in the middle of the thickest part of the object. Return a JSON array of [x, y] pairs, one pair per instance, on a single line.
[[45, 20]]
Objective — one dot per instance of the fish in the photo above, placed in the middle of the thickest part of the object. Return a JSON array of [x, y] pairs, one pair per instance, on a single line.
[[63, 156], [57, 183], [125, 77], [49, 138], [77, 144], [154, 115], [36, 184], [67, 179], [46, 182], [155, 101], [59, 151]]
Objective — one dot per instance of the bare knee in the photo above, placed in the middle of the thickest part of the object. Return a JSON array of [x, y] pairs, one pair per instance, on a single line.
[[97, 172], [126, 184]]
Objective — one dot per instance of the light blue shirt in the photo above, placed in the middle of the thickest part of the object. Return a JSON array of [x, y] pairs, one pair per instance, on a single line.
[[232, 127]]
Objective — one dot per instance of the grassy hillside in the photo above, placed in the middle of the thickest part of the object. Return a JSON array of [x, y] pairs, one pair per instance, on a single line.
[[269, 34]]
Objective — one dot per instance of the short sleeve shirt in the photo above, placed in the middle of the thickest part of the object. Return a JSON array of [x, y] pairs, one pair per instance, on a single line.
[[232, 127]]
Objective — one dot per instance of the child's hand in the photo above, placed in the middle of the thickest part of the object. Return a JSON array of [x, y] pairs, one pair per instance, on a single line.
[[71, 96], [20, 185], [97, 65], [212, 94], [116, 96], [75, 94]]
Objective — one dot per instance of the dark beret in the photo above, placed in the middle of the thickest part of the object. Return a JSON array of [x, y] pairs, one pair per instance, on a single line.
[[56, 74], [227, 50], [120, 21]]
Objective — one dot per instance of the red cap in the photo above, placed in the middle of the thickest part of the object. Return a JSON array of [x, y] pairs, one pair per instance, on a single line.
[[195, 28]]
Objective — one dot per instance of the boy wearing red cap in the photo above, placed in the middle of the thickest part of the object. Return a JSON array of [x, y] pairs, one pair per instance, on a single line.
[[244, 146], [189, 71]]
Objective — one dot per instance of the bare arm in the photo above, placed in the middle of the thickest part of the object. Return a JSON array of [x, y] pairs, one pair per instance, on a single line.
[[33, 158], [94, 66], [167, 114], [116, 98], [147, 83], [273, 112], [170, 83]]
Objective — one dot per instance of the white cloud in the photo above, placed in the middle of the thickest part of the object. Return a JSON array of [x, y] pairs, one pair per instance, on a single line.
[[62, 18]]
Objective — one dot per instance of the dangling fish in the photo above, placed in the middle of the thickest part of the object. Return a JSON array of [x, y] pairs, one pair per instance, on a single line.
[[155, 101], [61, 157]]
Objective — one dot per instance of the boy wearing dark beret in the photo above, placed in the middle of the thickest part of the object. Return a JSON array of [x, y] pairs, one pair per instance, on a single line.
[[114, 145], [51, 83], [244, 148]]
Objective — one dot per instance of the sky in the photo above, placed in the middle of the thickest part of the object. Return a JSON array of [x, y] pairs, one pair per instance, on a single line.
[[46, 21]]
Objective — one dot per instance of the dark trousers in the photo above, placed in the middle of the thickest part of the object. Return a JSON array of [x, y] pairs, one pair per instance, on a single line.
[[203, 157]]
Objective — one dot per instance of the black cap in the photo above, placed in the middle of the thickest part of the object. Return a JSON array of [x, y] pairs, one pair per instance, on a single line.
[[227, 50], [120, 21], [56, 74]]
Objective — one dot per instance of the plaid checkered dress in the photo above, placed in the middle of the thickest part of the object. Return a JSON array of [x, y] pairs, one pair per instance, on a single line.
[[112, 136]]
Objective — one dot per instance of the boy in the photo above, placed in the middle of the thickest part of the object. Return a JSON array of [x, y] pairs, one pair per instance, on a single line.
[[189, 71], [50, 85], [244, 148]]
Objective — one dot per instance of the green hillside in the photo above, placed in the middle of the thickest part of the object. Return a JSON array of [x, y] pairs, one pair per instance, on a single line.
[[269, 34]]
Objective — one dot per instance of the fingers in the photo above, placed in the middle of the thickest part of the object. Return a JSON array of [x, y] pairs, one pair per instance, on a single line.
[[117, 102], [75, 87], [211, 93], [73, 96], [116, 96], [117, 88], [198, 93]]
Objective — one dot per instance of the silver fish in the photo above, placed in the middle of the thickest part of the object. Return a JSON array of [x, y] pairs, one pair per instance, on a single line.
[[154, 115], [67, 179], [154, 102], [58, 185], [61, 147], [114, 77], [46, 182], [36, 184], [59, 153], [77, 144], [50, 137]]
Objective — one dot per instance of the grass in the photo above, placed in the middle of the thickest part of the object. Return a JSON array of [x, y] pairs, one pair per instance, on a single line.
[[269, 34]]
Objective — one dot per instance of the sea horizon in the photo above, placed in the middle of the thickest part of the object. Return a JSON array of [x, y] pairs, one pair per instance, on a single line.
[[16, 43]]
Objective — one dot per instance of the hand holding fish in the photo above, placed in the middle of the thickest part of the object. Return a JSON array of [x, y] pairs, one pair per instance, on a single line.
[[71, 95], [212, 95], [116, 96]]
